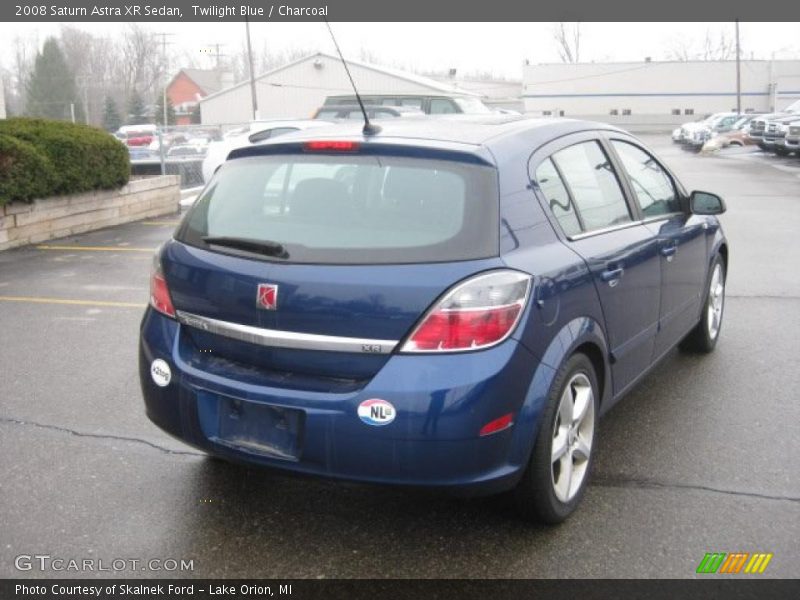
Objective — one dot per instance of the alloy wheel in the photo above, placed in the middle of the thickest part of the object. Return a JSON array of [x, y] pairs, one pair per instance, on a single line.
[[573, 434], [716, 301]]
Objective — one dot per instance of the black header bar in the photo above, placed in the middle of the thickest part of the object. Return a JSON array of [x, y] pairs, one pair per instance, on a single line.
[[398, 11]]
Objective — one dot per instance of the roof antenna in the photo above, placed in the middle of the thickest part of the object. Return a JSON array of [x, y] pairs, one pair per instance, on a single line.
[[369, 128]]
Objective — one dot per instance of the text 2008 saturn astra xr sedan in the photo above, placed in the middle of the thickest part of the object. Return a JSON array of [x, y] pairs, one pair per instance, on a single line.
[[447, 303]]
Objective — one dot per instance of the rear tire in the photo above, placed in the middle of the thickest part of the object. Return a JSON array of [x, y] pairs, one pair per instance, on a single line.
[[703, 338], [556, 476]]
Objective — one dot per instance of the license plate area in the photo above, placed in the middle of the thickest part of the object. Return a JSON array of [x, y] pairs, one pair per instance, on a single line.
[[254, 427]]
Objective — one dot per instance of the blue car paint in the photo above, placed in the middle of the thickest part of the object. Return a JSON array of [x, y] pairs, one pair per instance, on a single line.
[[442, 400]]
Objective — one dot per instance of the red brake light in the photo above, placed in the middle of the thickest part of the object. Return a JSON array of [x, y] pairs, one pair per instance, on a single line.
[[159, 292], [331, 146], [477, 313]]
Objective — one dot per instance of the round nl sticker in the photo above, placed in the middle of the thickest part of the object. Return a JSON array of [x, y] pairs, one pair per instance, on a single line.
[[376, 412], [160, 372]]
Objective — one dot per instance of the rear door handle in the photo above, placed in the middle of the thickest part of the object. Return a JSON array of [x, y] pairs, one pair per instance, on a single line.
[[612, 276], [669, 251]]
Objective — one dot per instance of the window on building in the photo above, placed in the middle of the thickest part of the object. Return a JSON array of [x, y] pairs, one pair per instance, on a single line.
[[547, 113], [688, 111], [561, 113], [626, 111], [749, 110], [676, 111], [614, 111]]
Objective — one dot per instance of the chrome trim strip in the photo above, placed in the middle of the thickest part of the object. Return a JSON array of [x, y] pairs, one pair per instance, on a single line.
[[586, 234], [274, 338], [653, 219]]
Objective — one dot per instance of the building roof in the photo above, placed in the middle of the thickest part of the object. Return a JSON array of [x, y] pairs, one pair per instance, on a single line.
[[434, 85], [208, 80]]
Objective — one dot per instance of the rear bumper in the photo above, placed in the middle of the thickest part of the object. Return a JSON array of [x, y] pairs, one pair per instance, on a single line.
[[441, 404]]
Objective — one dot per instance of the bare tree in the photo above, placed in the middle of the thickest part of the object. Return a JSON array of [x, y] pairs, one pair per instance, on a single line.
[[142, 63], [715, 45], [568, 41], [25, 50], [264, 60]]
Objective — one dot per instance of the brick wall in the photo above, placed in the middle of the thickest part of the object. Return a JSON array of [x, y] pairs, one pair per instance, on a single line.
[[47, 218]]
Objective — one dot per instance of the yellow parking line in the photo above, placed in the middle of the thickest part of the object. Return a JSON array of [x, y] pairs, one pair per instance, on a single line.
[[38, 300], [171, 223], [96, 248]]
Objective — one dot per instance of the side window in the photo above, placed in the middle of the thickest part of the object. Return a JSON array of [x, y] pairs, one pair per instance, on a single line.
[[653, 187], [593, 184], [413, 102], [557, 196], [442, 106]]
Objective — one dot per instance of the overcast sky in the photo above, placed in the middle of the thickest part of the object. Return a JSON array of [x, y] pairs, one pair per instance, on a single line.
[[497, 47]]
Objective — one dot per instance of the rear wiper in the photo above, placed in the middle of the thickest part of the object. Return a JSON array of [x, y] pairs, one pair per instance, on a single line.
[[266, 247]]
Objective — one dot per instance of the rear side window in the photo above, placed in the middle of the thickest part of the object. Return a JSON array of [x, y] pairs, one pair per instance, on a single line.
[[351, 209], [327, 113], [442, 106], [557, 197], [593, 185], [260, 136], [653, 187]]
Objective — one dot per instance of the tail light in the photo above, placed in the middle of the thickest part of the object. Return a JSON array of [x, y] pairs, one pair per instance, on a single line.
[[159, 292], [477, 313]]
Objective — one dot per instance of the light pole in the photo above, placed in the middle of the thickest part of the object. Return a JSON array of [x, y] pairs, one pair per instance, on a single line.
[[738, 73]]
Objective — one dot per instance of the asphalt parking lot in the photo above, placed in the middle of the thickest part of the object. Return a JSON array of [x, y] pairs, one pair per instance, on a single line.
[[701, 457]]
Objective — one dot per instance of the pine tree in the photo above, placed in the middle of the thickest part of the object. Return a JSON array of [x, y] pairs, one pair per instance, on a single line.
[[111, 117], [137, 112], [171, 117], [51, 88]]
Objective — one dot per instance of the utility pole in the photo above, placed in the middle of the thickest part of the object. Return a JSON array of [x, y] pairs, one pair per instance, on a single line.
[[166, 71], [217, 54], [252, 71], [738, 72], [161, 151]]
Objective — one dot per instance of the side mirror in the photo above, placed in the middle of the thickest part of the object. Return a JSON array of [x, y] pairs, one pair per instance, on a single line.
[[706, 203]]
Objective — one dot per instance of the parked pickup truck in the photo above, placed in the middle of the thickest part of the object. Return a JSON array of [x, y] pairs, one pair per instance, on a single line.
[[760, 131], [792, 139]]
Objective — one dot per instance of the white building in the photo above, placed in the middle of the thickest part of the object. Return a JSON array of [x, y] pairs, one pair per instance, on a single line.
[[297, 89], [658, 92]]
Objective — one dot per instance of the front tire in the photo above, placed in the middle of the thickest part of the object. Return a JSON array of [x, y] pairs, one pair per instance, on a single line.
[[703, 338], [555, 480]]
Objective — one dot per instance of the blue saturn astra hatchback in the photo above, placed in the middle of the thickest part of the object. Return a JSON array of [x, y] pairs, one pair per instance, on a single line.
[[446, 303]]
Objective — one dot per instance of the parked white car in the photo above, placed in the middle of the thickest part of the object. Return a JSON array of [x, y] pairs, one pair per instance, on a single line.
[[257, 133]]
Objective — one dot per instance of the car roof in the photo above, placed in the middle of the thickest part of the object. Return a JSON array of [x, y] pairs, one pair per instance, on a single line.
[[475, 130]]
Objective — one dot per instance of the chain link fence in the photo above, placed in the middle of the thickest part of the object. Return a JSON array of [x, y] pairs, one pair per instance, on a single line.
[[174, 150]]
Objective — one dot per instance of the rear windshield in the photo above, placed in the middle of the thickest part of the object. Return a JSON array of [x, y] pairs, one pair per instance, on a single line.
[[350, 209]]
